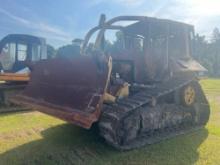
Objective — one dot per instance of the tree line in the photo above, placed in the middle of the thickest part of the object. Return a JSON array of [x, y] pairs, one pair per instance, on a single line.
[[207, 52]]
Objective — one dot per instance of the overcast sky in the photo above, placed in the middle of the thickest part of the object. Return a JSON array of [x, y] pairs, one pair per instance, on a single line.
[[60, 21]]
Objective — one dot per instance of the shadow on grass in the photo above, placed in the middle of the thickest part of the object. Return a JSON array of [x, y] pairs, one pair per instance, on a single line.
[[67, 144]]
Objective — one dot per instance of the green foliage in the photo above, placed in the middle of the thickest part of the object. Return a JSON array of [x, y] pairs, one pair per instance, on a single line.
[[71, 50], [208, 53], [51, 52], [68, 51]]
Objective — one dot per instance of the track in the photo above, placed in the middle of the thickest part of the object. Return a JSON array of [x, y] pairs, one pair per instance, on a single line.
[[143, 119]]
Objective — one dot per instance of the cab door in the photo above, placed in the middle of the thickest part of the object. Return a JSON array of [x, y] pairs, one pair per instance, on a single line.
[[22, 52], [8, 56]]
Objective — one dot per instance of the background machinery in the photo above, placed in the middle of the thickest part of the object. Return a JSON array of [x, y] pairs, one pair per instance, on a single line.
[[18, 53], [144, 91]]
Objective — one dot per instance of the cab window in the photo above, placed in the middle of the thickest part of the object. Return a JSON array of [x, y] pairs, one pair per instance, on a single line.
[[135, 42], [22, 52], [8, 56], [36, 52]]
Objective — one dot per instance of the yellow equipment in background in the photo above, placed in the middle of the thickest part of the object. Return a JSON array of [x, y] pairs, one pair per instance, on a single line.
[[18, 53]]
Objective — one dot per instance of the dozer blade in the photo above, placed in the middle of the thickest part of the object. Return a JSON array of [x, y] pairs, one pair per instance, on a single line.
[[70, 89]]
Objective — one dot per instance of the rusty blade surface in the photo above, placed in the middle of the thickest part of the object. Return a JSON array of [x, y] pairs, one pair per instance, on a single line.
[[70, 89]]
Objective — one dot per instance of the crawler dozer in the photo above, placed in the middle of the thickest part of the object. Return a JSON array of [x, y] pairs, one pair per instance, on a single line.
[[143, 91], [18, 53]]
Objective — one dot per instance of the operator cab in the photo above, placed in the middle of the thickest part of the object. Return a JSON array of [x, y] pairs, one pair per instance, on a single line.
[[148, 50], [18, 52]]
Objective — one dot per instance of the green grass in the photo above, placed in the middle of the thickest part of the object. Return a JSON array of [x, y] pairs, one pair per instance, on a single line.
[[35, 138]]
